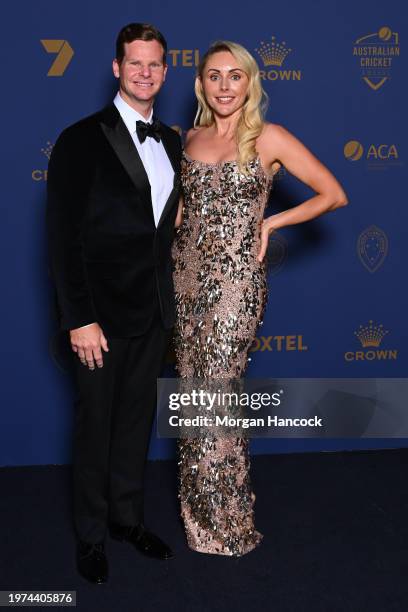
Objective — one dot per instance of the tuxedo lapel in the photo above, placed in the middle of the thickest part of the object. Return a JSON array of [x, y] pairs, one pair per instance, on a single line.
[[121, 141], [171, 150], [173, 155]]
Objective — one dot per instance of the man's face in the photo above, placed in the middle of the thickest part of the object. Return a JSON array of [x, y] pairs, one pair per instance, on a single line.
[[141, 72]]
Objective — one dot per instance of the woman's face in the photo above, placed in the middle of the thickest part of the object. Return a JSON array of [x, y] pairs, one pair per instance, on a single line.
[[224, 83]]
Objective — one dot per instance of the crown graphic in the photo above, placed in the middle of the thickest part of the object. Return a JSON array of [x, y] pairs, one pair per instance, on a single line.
[[273, 53], [47, 149], [371, 334]]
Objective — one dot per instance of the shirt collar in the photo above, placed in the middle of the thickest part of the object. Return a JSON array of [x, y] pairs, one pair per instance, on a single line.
[[129, 114]]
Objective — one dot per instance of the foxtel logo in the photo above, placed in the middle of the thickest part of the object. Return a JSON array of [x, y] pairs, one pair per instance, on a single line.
[[278, 343]]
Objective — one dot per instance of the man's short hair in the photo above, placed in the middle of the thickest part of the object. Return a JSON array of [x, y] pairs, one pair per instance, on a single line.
[[138, 31]]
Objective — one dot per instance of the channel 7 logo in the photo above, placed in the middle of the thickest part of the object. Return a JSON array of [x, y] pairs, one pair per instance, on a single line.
[[64, 53]]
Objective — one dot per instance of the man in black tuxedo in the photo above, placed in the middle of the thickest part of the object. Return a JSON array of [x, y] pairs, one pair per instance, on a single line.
[[113, 192]]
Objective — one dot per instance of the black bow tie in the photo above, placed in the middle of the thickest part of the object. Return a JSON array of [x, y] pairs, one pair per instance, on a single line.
[[143, 130]]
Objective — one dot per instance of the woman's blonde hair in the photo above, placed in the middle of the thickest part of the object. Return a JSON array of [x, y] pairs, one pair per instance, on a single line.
[[251, 120]]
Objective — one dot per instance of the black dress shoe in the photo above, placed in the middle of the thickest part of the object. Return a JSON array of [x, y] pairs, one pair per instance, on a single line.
[[92, 562], [144, 541]]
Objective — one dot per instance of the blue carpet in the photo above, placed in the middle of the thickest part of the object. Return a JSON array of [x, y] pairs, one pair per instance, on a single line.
[[335, 531]]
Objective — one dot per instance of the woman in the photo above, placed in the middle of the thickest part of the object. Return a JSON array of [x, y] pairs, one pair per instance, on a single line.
[[230, 159]]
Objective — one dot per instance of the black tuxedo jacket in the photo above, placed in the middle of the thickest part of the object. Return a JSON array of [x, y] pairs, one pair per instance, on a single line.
[[109, 262]]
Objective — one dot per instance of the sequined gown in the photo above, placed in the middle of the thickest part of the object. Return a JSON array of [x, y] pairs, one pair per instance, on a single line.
[[220, 298]]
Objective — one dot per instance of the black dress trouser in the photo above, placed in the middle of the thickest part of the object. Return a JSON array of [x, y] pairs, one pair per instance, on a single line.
[[115, 408]]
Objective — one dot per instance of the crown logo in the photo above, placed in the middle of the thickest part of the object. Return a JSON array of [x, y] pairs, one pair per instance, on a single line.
[[371, 335], [47, 149], [273, 53]]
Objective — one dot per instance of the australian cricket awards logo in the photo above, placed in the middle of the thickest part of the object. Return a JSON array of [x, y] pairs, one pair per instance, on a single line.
[[273, 55], [276, 253], [40, 174], [371, 337], [377, 156], [372, 248], [375, 53]]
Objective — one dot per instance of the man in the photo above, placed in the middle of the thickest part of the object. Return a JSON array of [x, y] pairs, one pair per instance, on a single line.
[[113, 190]]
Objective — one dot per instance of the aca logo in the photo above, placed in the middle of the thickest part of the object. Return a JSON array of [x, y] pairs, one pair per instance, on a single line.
[[376, 156], [370, 338], [64, 53], [278, 343], [372, 248], [186, 58], [273, 55], [375, 53], [41, 175]]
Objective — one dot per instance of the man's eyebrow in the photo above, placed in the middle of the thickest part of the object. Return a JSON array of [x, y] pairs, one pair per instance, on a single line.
[[135, 59]]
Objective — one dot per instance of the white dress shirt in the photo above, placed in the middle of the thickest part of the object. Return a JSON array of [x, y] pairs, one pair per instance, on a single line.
[[153, 155], [154, 158]]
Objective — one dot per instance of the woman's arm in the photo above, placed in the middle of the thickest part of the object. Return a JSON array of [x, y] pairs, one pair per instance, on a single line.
[[179, 218], [300, 162]]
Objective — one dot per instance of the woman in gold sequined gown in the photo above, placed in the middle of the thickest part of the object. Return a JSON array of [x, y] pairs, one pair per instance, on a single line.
[[220, 279]]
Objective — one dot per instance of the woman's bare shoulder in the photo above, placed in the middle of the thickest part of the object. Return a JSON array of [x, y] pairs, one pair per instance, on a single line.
[[275, 138], [274, 130], [193, 133], [270, 144]]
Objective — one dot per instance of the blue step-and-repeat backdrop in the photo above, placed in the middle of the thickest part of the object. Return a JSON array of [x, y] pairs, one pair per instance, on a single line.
[[335, 73]]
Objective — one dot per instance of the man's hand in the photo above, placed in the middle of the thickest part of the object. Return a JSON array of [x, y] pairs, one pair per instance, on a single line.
[[87, 343]]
